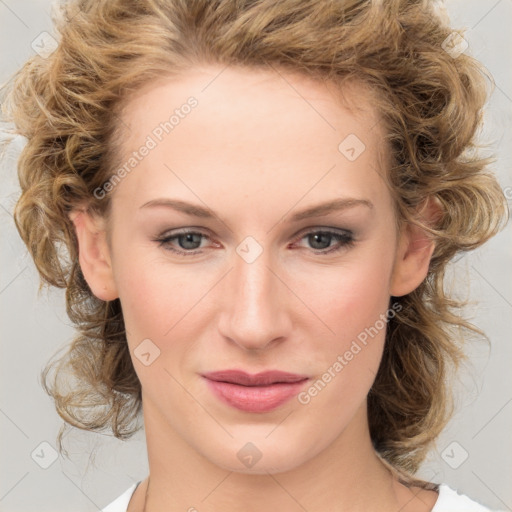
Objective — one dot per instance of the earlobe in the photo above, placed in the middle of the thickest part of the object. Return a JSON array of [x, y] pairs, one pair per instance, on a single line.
[[94, 254], [414, 253]]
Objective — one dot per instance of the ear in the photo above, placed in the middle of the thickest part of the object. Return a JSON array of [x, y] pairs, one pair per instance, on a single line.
[[94, 254], [415, 249]]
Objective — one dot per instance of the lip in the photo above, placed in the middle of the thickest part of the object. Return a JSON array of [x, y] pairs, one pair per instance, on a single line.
[[259, 379], [262, 392]]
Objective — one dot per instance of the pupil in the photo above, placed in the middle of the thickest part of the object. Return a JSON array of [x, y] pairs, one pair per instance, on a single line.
[[189, 239], [318, 236]]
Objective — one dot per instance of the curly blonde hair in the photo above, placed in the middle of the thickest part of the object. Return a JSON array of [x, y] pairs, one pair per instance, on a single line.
[[68, 107]]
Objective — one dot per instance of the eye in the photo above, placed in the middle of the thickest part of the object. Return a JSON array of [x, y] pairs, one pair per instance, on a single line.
[[188, 242], [321, 240]]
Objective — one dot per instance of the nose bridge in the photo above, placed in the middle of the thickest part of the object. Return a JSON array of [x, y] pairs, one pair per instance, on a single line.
[[255, 311]]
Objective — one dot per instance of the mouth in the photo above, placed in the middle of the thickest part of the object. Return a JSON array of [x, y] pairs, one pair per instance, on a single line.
[[262, 392]]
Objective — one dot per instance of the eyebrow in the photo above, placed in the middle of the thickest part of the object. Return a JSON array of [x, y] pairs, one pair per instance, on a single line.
[[313, 211]]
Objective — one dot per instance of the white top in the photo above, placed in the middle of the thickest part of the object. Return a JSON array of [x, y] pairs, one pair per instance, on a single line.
[[448, 501]]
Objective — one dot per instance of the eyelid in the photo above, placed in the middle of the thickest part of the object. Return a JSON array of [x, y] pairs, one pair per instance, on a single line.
[[163, 239], [345, 239], [343, 236], [323, 229], [312, 229]]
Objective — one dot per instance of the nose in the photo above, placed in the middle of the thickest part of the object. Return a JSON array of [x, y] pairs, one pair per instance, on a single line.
[[255, 304]]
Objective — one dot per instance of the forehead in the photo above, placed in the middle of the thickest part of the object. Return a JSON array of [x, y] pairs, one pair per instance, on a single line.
[[239, 94], [251, 129]]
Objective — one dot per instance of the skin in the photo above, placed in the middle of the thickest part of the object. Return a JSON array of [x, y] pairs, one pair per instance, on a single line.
[[259, 147]]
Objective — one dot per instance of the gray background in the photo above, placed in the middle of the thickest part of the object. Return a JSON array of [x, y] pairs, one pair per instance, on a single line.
[[472, 455]]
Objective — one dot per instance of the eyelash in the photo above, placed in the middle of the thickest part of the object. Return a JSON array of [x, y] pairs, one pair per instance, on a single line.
[[345, 238]]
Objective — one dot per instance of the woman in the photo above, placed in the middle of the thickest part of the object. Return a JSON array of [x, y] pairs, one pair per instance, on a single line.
[[258, 201]]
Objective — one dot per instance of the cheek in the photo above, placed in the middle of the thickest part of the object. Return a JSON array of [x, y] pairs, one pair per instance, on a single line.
[[141, 297], [154, 300], [353, 304], [158, 306], [161, 300], [352, 297]]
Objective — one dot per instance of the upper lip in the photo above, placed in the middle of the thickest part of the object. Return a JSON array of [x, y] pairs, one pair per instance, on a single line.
[[259, 379]]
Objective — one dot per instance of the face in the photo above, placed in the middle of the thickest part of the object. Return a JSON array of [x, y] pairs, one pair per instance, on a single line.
[[235, 275]]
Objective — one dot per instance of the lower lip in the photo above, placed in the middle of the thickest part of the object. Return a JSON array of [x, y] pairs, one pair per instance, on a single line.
[[256, 398]]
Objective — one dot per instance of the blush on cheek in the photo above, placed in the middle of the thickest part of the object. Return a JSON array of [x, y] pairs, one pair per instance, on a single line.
[[156, 304], [141, 305], [357, 313], [357, 305]]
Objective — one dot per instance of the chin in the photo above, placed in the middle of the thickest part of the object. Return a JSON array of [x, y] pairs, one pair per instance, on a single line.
[[261, 455], [277, 463]]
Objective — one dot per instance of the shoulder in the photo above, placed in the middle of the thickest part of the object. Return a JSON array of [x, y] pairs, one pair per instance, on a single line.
[[450, 500], [120, 504]]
